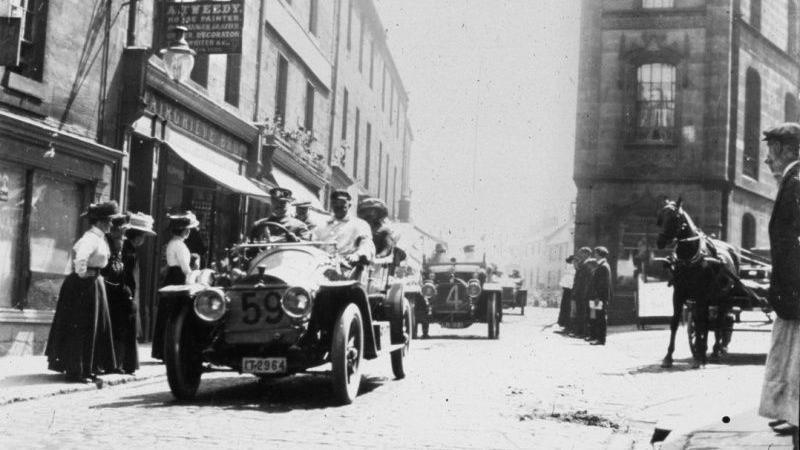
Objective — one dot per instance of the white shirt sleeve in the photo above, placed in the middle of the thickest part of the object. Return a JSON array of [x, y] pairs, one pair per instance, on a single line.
[[366, 247], [83, 249], [184, 257]]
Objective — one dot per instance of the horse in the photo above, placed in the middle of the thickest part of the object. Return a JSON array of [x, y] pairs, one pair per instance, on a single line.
[[704, 270]]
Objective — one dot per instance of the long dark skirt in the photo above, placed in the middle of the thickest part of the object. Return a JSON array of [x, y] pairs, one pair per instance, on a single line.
[[81, 341], [173, 276], [563, 312], [123, 324]]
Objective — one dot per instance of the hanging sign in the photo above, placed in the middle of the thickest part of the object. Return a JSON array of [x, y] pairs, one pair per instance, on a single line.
[[213, 27], [10, 29]]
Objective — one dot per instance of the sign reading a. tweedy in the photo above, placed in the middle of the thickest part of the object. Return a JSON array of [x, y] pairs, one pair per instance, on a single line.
[[213, 27]]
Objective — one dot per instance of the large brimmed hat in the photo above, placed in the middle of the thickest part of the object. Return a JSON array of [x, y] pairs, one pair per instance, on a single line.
[[185, 219], [374, 204], [103, 210], [141, 222]]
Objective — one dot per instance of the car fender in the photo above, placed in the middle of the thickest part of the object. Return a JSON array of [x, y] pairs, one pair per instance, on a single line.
[[333, 298]]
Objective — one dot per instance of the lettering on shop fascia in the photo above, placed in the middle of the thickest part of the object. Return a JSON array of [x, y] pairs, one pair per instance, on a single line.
[[197, 126], [213, 27]]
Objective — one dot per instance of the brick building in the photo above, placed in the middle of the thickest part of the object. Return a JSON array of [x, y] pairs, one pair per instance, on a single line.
[[672, 97]]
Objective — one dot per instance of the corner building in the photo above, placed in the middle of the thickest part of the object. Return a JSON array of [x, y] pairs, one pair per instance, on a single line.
[[672, 98]]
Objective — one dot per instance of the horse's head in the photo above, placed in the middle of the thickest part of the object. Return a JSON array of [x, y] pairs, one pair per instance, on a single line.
[[672, 220]]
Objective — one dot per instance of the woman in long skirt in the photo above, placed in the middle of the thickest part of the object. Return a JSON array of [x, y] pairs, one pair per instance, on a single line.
[[80, 341], [178, 269]]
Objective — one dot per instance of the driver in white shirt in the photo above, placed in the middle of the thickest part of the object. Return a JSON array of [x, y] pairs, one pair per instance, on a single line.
[[353, 236]]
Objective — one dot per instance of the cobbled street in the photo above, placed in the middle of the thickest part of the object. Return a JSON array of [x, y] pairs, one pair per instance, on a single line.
[[530, 389]]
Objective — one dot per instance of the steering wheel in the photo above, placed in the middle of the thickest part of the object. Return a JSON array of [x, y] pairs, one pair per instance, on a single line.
[[276, 229]]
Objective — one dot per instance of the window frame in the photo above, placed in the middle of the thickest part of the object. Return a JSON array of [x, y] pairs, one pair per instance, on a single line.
[[281, 88], [752, 125], [233, 75], [33, 42], [308, 122], [635, 129]]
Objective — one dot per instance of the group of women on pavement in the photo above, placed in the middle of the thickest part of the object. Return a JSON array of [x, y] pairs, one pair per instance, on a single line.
[[95, 323]]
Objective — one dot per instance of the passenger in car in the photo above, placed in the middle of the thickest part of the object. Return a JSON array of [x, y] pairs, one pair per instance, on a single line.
[[374, 212]]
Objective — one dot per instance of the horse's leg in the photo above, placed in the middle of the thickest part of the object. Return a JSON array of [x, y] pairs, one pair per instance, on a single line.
[[701, 325], [677, 309]]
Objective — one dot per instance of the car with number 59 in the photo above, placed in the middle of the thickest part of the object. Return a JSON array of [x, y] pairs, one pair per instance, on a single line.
[[282, 308]]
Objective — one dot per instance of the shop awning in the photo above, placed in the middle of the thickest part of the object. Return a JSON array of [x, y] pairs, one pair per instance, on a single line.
[[300, 192], [222, 174]]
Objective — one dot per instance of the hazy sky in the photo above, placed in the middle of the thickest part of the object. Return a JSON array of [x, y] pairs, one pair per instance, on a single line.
[[511, 67]]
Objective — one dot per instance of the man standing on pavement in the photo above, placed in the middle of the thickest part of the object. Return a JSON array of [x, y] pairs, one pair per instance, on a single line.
[[780, 395], [566, 296], [600, 294], [580, 291]]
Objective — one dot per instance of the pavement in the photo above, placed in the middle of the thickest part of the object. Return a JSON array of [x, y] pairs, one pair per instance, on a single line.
[[26, 378]]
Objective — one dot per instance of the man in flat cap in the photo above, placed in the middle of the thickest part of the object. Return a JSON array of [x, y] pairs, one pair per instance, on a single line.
[[599, 295], [353, 236], [779, 396], [280, 199]]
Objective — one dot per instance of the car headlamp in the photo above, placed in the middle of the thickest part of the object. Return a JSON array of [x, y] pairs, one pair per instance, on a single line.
[[296, 303], [428, 289], [210, 304], [473, 288]]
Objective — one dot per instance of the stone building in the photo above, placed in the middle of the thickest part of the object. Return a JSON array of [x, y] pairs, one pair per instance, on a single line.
[[672, 97]]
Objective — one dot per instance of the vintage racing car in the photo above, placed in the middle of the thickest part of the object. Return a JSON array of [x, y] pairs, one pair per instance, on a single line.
[[456, 295], [282, 308]]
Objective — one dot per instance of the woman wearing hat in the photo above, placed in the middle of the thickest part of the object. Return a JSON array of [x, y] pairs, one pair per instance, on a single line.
[[179, 260], [118, 295], [80, 342], [374, 212]]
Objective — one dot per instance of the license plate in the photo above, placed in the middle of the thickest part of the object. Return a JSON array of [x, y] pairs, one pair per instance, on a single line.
[[264, 365]]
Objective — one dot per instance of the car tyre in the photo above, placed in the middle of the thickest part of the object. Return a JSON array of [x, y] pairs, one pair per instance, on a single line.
[[492, 317], [402, 331], [184, 363], [347, 349]]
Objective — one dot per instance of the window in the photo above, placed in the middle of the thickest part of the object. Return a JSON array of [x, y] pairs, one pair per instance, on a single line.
[[312, 17], [657, 3], [394, 191], [791, 46], [367, 162], [380, 166], [349, 24], [355, 145], [233, 70], [371, 62], [362, 26], [344, 115], [655, 102], [383, 89], [48, 206], [755, 14], [309, 122], [790, 112], [748, 231], [391, 102], [31, 55], [386, 181], [752, 123], [200, 70], [280, 89]]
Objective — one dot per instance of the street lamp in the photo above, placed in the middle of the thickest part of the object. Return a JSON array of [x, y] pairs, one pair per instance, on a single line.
[[178, 57]]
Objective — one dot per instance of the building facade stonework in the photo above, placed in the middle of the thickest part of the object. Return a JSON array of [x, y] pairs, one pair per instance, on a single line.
[[672, 98]]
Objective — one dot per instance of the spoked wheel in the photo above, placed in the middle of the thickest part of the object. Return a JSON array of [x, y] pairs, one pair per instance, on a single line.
[[402, 332], [346, 351], [181, 356], [493, 317]]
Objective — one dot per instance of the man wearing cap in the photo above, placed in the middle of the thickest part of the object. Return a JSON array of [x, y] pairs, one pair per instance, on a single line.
[[566, 295], [301, 214], [600, 294], [779, 396], [353, 236], [580, 291], [281, 197]]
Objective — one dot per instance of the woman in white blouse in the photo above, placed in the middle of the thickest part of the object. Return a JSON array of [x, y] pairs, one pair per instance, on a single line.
[[178, 268], [80, 342]]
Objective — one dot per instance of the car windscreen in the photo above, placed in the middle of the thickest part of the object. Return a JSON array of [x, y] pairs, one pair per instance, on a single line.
[[290, 259], [470, 268]]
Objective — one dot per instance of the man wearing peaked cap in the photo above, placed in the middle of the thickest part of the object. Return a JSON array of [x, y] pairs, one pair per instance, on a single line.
[[580, 290], [599, 296], [281, 197], [301, 214], [353, 236]]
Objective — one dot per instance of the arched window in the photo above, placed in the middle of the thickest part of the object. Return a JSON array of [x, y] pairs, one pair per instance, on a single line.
[[790, 112], [752, 123], [655, 102], [755, 14], [748, 231]]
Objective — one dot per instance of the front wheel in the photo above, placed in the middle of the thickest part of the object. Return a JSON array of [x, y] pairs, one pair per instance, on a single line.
[[402, 332], [346, 351], [492, 317], [184, 362]]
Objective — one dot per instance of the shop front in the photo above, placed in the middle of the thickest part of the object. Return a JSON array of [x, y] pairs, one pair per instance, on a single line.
[[47, 179]]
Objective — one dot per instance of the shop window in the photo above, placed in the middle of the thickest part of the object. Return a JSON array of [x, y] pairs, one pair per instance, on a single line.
[[655, 102], [748, 231], [790, 110], [755, 14], [309, 120], [655, 4], [233, 70], [31, 57], [200, 70], [280, 88], [44, 210], [367, 162], [752, 123]]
